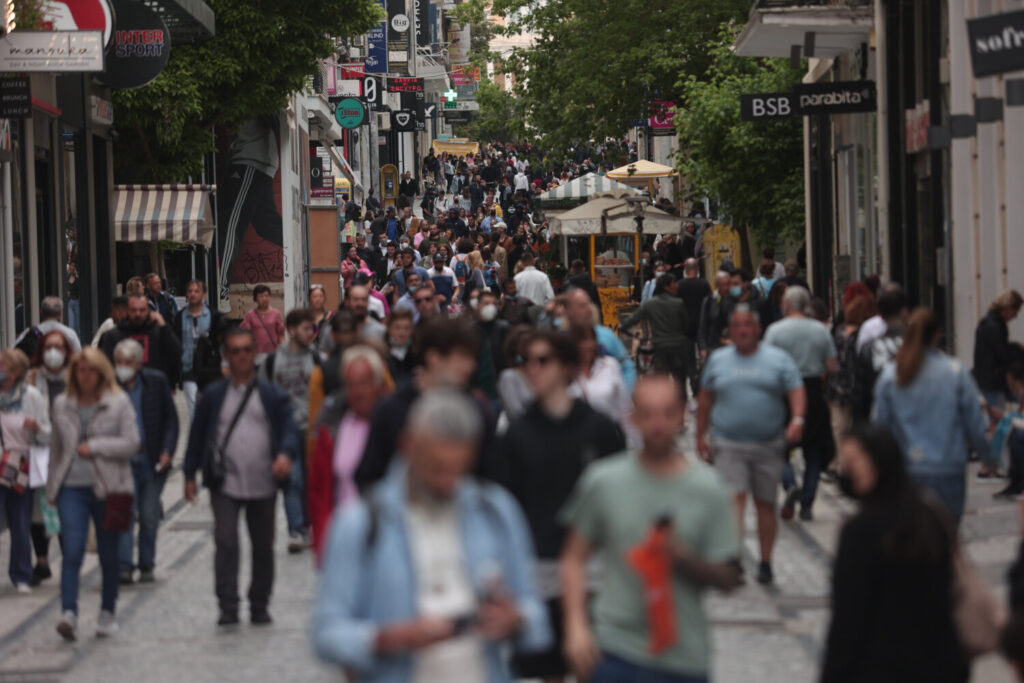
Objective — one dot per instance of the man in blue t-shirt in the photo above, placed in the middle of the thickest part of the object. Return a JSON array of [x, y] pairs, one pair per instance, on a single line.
[[745, 391]]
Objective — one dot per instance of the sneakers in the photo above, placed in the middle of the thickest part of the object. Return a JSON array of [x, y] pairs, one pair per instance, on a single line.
[[228, 618], [67, 627], [106, 625], [40, 573], [127, 577], [985, 474], [1008, 494], [146, 576], [261, 617], [789, 504], [297, 542], [806, 515], [764, 573], [23, 588]]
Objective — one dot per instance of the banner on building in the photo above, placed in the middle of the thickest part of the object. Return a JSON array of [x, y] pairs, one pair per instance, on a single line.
[[421, 15], [399, 24], [997, 43], [377, 46]]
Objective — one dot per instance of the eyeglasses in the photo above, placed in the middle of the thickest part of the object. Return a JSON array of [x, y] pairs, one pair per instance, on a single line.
[[539, 360], [235, 350]]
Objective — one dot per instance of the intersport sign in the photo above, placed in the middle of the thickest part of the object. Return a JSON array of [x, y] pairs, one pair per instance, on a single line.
[[997, 43]]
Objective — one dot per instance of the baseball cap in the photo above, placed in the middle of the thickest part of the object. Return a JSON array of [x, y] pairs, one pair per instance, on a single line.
[[438, 257]]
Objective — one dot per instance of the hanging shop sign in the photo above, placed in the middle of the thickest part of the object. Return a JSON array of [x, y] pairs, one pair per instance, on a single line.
[[404, 85], [767, 106], [350, 113], [997, 43], [844, 97], [79, 15], [398, 36], [377, 46], [56, 51], [15, 97], [662, 116], [403, 120], [142, 46], [421, 14], [101, 111]]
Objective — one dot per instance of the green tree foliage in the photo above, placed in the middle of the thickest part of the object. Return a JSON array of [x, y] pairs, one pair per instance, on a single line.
[[262, 52], [598, 64], [500, 117], [754, 168], [476, 14]]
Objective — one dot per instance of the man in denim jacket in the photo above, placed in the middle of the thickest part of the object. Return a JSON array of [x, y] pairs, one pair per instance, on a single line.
[[429, 575]]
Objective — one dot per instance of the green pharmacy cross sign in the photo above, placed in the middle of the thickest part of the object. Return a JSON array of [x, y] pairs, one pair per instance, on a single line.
[[450, 95], [350, 113]]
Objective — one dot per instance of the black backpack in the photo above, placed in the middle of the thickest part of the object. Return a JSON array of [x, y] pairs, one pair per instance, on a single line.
[[30, 341]]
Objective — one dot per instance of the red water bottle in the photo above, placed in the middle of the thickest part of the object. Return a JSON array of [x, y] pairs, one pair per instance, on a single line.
[[652, 560]]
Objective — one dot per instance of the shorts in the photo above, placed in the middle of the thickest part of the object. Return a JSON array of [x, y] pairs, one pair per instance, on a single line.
[[753, 467]]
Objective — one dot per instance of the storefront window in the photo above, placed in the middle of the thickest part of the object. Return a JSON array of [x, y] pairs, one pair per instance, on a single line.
[[19, 239], [614, 260], [72, 283]]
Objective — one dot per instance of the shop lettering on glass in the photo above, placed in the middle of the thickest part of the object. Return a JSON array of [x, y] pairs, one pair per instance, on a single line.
[[139, 43]]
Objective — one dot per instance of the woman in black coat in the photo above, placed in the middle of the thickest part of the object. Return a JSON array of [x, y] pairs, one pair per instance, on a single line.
[[892, 585], [993, 351]]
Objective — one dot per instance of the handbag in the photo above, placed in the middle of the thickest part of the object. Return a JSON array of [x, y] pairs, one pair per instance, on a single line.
[[117, 508], [214, 469], [978, 615], [13, 468]]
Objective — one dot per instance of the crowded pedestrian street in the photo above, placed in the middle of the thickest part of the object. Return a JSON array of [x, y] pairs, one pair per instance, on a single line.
[[467, 341]]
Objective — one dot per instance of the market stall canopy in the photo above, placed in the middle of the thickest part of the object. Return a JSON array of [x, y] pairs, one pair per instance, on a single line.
[[611, 213], [178, 213], [641, 171], [459, 146], [585, 186]]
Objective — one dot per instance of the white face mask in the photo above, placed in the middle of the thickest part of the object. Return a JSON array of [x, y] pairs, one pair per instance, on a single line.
[[488, 313], [124, 374], [53, 359]]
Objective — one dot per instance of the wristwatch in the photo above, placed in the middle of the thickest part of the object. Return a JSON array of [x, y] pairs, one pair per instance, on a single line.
[[797, 419]]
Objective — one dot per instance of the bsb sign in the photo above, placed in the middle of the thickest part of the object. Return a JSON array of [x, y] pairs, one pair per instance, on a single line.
[[813, 98], [997, 43]]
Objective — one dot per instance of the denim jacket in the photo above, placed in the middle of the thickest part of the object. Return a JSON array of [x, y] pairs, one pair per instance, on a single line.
[[934, 416], [369, 580]]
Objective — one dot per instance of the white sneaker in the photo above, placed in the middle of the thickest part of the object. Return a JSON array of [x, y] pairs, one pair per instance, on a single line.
[[23, 588], [67, 626], [106, 625]]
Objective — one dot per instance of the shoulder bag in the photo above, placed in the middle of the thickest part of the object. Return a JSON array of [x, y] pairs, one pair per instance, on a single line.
[[117, 510], [214, 470], [14, 472]]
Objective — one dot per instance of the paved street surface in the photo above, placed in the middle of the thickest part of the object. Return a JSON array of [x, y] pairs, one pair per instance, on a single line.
[[168, 632]]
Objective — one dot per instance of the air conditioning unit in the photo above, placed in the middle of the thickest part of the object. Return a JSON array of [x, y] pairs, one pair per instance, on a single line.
[[357, 41], [355, 53]]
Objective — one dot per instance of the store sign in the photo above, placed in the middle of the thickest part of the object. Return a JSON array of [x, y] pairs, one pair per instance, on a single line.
[[421, 13], [836, 98], [997, 43], [79, 15], [56, 51], [321, 179], [15, 97], [403, 120], [350, 113], [662, 115], [377, 47], [101, 111], [918, 121], [460, 105], [404, 85], [142, 46], [767, 106]]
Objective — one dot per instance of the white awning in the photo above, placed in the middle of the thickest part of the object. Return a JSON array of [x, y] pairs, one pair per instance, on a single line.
[[773, 29], [585, 186], [177, 213], [612, 214]]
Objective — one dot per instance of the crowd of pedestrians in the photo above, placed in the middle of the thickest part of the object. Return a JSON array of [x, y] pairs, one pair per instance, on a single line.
[[491, 484]]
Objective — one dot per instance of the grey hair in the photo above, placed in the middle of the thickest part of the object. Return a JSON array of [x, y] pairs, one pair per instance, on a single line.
[[797, 299], [445, 413], [720, 274], [130, 348], [353, 355], [51, 308], [744, 308]]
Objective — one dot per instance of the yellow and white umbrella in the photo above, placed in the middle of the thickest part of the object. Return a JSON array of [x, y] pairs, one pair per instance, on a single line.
[[641, 172]]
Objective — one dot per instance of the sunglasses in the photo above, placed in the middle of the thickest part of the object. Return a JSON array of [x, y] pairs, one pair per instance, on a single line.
[[235, 350]]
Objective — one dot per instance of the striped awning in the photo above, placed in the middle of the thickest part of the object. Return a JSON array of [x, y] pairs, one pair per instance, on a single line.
[[585, 186], [177, 213]]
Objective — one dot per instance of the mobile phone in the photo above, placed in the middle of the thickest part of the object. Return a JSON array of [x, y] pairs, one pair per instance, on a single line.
[[462, 624]]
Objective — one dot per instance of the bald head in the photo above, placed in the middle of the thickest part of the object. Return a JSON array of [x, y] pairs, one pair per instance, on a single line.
[[690, 267], [579, 309]]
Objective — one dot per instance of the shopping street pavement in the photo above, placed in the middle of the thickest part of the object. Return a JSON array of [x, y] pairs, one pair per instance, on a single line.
[[168, 632]]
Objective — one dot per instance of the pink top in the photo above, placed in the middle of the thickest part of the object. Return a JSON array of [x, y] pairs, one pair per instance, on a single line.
[[349, 445], [267, 330]]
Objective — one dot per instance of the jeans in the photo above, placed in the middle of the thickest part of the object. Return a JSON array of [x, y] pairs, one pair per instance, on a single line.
[[191, 389], [259, 518], [74, 315], [813, 459], [146, 507], [692, 368], [672, 359], [1016, 471], [17, 509], [75, 505], [294, 496], [951, 489], [612, 669]]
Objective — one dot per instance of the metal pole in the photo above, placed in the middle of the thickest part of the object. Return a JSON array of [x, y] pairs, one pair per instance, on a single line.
[[374, 145]]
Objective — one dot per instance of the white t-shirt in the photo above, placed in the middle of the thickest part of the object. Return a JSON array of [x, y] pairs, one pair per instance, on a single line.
[[444, 589]]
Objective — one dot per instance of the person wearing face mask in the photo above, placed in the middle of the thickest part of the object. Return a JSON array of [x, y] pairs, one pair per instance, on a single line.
[[400, 358], [157, 420], [350, 266], [24, 422], [407, 301], [893, 576], [49, 376]]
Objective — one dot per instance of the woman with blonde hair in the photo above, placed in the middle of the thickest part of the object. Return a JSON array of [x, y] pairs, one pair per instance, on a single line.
[[930, 403], [23, 424], [94, 437]]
